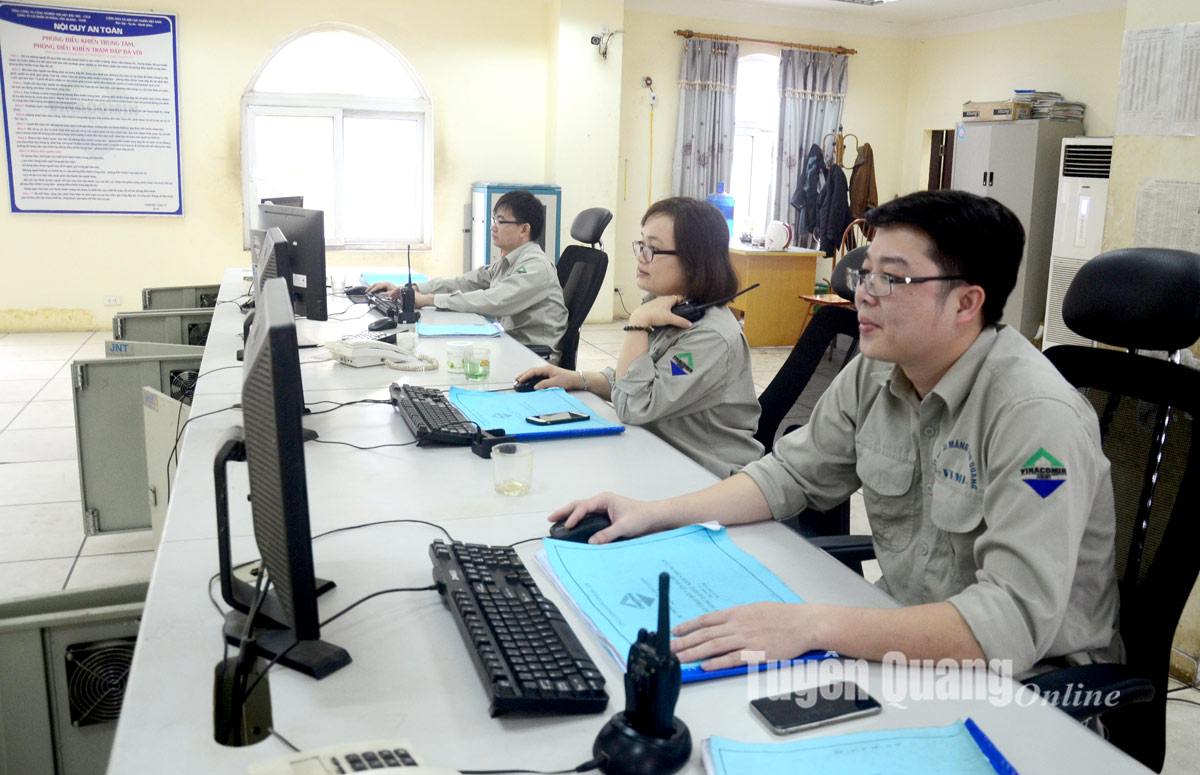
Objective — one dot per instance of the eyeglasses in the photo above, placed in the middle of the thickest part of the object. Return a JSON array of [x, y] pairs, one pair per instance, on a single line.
[[500, 221], [645, 254], [881, 283]]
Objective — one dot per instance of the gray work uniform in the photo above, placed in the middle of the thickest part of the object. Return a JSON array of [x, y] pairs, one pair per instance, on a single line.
[[521, 289], [992, 493], [693, 389]]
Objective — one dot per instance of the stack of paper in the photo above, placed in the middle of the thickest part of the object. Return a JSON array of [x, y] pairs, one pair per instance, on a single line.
[[614, 587], [1050, 105], [961, 748]]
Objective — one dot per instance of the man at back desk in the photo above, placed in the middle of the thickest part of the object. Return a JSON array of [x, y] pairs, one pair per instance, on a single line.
[[521, 288], [987, 490]]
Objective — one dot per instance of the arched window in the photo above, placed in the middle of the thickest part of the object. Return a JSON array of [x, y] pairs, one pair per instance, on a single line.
[[338, 116]]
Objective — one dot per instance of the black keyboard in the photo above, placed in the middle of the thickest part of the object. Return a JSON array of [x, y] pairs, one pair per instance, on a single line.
[[524, 650], [431, 417], [386, 305]]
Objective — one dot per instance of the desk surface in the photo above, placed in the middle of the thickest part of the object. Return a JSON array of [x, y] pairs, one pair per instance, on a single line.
[[411, 676]]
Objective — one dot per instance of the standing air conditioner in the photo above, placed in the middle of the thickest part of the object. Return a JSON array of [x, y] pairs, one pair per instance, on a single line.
[[1078, 226]]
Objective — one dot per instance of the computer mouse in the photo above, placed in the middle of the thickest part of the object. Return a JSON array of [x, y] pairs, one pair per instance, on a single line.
[[529, 384], [381, 325], [356, 290], [583, 530]]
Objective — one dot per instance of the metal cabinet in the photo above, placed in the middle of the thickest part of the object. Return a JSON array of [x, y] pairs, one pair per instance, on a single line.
[[483, 202], [1016, 163], [180, 297], [168, 326]]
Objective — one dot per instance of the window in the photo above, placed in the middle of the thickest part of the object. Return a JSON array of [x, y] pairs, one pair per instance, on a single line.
[[756, 126], [339, 116]]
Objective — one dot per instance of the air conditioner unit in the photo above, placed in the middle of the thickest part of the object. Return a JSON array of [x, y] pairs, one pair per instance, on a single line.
[[1078, 226]]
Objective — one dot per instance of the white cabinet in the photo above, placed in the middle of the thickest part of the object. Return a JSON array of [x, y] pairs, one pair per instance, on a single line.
[[1016, 163]]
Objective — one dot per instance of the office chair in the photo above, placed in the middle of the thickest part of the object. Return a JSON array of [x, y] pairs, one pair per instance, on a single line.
[[1139, 299], [581, 273], [793, 377]]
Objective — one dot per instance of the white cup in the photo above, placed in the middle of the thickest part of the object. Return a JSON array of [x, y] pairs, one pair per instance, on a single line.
[[479, 363], [456, 356], [512, 468]]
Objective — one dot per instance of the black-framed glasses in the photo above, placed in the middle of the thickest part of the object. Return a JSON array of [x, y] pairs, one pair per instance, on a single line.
[[881, 283], [500, 221], [645, 254]]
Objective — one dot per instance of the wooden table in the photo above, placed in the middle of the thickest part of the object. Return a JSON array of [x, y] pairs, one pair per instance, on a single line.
[[773, 314]]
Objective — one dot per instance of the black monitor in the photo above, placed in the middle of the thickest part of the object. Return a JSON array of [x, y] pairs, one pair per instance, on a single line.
[[273, 260], [272, 446], [305, 230], [290, 201]]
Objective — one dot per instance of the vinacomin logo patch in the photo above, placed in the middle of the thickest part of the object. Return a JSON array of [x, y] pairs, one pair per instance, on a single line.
[[1043, 472], [681, 365]]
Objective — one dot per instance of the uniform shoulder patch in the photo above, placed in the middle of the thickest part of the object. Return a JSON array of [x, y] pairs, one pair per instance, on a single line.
[[681, 364], [522, 270], [1043, 472]]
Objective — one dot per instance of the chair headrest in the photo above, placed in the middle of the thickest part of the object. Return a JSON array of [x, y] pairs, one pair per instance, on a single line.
[[590, 224], [838, 280], [1137, 298]]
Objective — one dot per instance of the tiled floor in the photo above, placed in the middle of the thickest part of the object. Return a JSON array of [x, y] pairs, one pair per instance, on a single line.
[[43, 547], [42, 544]]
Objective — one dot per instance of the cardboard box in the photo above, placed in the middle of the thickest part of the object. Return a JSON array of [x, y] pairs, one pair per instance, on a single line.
[[1006, 110]]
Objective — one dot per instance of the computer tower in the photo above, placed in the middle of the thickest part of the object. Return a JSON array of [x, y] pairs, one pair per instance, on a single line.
[[109, 431], [114, 349], [180, 297], [66, 659], [169, 326]]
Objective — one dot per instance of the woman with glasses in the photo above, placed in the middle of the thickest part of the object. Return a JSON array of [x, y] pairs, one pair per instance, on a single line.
[[687, 382]]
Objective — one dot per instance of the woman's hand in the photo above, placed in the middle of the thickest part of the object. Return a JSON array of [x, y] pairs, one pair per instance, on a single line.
[[555, 377], [657, 312]]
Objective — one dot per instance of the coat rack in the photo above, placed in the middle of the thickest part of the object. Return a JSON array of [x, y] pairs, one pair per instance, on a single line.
[[839, 145]]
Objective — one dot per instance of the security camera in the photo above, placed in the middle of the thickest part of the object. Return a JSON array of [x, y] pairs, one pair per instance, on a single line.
[[595, 40]]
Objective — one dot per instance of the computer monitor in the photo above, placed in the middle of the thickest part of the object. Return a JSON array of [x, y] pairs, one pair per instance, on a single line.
[[305, 230], [290, 201], [272, 445], [273, 260]]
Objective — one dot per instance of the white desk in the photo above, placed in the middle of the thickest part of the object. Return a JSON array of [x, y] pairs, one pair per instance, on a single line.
[[412, 676]]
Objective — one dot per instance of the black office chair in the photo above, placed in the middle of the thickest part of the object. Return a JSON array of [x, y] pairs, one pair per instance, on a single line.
[[1139, 299], [793, 377], [581, 273]]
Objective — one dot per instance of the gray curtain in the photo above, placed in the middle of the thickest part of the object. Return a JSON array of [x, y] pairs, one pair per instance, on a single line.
[[704, 139], [812, 88]]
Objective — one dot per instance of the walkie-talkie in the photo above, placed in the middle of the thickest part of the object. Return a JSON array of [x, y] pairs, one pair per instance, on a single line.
[[691, 311], [646, 737], [408, 295]]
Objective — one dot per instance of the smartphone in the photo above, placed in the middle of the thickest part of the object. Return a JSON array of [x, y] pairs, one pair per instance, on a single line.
[[557, 418], [814, 707]]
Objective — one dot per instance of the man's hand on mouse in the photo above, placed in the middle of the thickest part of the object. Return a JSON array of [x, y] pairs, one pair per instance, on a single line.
[[555, 377], [629, 517], [381, 288]]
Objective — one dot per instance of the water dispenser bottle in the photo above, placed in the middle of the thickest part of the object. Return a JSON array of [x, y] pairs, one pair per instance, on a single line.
[[724, 203]]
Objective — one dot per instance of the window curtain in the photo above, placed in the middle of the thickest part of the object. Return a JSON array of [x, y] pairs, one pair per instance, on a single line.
[[704, 139], [812, 89]]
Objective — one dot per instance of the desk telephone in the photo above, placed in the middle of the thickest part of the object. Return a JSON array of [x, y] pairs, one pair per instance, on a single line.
[[347, 758], [374, 352]]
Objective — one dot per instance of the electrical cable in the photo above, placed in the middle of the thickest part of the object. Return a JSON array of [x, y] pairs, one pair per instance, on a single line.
[[585, 767], [365, 449], [525, 541]]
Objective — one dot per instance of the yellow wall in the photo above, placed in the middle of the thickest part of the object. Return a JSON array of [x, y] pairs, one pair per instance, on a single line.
[[484, 63], [1078, 56], [519, 95]]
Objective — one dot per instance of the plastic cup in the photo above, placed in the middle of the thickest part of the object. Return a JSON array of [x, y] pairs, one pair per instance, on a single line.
[[479, 363], [456, 356], [512, 468]]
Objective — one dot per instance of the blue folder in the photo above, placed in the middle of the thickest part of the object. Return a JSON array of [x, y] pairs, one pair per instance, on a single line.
[[615, 586], [395, 278], [961, 748], [509, 410]]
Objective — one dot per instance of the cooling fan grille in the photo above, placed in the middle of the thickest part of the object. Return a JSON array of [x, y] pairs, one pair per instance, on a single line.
[[183, 385], [197, 333], [96, 676]]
